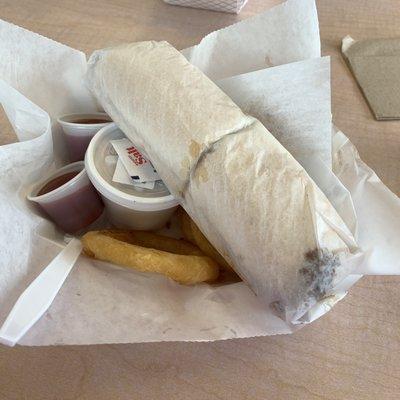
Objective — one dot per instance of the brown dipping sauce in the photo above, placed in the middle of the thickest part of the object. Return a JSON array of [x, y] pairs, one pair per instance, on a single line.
[[91, 121], [57, 182]]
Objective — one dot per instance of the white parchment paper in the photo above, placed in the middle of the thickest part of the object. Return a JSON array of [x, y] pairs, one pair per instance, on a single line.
[[300, 120], [286, 33], [100, 303]]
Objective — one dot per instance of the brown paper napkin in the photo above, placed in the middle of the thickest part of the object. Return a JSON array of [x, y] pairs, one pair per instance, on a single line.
[[375, 64]]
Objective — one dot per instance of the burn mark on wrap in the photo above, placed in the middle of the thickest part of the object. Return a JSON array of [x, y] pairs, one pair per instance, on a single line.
[[318, 272], [316, 277]]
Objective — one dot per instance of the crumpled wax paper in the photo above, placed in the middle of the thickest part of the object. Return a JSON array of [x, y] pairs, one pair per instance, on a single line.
[[101, 303]]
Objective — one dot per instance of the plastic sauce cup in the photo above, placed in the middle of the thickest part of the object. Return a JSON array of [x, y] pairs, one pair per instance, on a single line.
[[72, 206], [126, 206], [79, 129]]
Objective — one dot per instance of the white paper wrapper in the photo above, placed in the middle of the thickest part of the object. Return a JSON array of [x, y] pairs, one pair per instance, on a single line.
[[377, 209], [300, 120], [248, 195], [100, 303], [286, 33]]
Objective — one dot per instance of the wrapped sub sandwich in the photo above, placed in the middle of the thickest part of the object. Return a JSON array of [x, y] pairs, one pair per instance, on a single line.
[[244, 190]]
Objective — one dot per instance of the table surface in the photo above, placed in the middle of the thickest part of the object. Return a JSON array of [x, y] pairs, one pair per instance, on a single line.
[[353, 352]]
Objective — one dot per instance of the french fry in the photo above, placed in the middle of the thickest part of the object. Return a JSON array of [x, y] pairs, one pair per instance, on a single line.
[[146, 252], [154, 241], [193, 234], [186, 225]]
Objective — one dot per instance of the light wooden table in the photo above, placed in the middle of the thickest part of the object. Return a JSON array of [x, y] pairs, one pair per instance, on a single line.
[[351, 353]]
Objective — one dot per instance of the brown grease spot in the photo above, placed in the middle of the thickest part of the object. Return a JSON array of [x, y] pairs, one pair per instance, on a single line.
[[185, 166], [202, 174], [194, 149], [268, 61]]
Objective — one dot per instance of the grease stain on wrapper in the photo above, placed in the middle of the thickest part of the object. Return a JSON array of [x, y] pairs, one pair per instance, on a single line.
[[194, 149], [185, 165], [199, 170], [201, 174], [194, 152]]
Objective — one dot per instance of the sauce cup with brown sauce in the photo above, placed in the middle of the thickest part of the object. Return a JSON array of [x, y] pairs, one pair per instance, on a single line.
[[68, 198], [79, 129]]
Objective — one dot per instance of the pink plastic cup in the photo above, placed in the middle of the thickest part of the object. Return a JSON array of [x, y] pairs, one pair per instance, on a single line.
[[72, 206]]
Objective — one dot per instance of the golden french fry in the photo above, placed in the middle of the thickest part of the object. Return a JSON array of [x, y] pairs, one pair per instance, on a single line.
[[193, 234], [154, 241], [186, 225], [119, 247]]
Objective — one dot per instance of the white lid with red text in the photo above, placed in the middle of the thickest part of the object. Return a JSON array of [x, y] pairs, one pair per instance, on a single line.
[[100, 163]]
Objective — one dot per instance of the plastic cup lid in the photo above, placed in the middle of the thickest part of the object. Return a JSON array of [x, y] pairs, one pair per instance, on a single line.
[[100, 162]]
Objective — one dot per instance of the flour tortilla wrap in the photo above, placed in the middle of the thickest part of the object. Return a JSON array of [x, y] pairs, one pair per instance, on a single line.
[[245, 191]]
